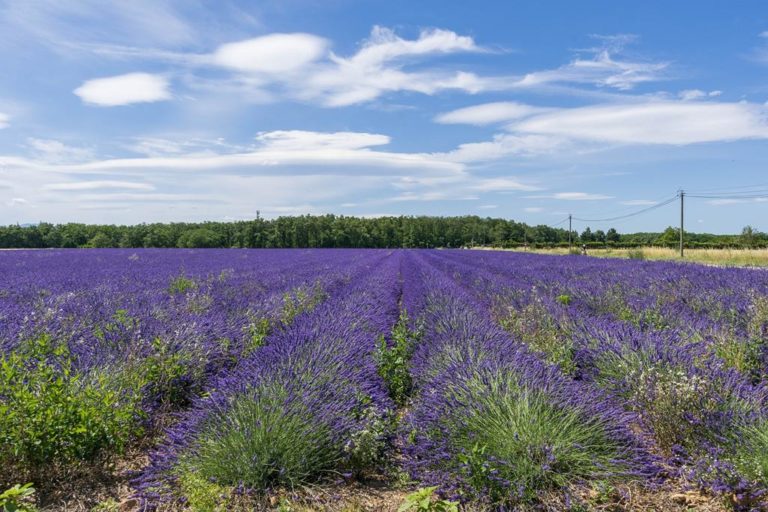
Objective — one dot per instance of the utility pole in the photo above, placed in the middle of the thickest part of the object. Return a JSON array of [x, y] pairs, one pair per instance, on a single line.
[[682, 217], [570, 248]]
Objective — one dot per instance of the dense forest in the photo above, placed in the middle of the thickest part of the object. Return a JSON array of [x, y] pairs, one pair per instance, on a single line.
[[341, 231]]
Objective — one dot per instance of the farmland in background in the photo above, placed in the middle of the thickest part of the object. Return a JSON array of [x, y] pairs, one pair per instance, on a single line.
[[724, 257], [377, 379]]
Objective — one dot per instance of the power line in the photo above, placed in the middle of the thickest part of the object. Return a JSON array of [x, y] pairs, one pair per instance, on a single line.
[[727, 189], [561, 222], [633, 214], [750, 195]]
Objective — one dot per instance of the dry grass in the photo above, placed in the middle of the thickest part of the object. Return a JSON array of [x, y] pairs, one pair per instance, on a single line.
[[722, 257]]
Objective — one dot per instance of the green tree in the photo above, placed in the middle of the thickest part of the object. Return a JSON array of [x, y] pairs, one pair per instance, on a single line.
[[101, 239]]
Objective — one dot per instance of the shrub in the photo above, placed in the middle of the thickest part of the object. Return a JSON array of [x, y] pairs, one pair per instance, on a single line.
[[635, 254], [51, 413], [171, 376]]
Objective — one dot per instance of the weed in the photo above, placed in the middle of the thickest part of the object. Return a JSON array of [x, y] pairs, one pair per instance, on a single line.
[[424, 500], [181, 285], [538, 329], [394, 360], [15, 498]]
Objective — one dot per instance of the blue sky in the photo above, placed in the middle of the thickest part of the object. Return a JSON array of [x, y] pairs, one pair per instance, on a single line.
[[170, 111]]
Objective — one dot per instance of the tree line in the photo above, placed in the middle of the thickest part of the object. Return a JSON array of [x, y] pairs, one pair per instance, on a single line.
[[329, 231]]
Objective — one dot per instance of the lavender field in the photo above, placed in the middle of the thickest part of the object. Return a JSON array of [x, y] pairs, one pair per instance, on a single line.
[[296, 379]]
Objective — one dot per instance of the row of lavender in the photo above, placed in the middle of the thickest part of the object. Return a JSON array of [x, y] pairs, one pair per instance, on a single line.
[[309, 404], [97, 347], [679, 348], [493, 424]]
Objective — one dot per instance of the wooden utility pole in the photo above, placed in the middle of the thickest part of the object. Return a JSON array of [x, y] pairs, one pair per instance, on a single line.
[[570, 248], [682, 218]]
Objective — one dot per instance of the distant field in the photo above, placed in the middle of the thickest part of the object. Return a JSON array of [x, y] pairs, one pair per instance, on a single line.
[[726, 257]]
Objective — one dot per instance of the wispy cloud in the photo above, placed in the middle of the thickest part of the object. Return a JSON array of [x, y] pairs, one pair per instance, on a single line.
[[638, 202], [4, 120], [501, 185], [504, 145], [697, 94], [272, 153], [59, 24], [56, 151], [656, 122], [572, 196], [98, 185], [603, 69], [489, 113]]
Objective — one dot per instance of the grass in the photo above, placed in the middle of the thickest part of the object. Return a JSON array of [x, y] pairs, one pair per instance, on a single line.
[[724, 257]]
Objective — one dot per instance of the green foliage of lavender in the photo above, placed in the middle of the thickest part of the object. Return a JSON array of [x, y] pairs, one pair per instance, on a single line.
[[516, 435], [263, 440]]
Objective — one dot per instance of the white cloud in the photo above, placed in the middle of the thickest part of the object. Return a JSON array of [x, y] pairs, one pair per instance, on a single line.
[[638, 202], [533, 209], [488, 206], [488, 113], [17, 201], [378, 68], [695, 94], [61, 24], [97, 185], [57, 151], [143, 198], [190, 146], [603, 69], [301, 139], [501, 185], [572, 196], [274, 53], [4, 120], [725, 202], [656, 122], [124, 90], [454, 195], [302, 151], [504, 145]]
